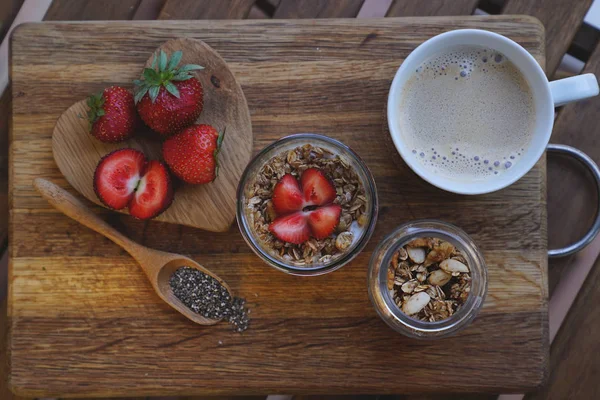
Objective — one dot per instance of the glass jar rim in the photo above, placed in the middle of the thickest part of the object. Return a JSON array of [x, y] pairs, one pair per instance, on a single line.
[[370, 188]]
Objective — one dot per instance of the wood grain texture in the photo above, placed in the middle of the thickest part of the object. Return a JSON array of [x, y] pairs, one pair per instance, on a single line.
[[5, 118], [157, 265], [210, 206], [317, 9], [206, 9], [561, 18], [411, 8], [5, 393], [75, 10], [85, 321]]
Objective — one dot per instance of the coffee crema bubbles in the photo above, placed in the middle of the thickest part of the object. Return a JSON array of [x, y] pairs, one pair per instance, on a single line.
[[467, 113]]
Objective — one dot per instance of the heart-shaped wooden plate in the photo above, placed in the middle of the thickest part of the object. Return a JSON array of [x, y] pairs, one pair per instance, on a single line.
[[211, 206]]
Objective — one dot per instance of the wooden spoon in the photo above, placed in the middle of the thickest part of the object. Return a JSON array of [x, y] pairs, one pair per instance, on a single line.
[[158, 265]]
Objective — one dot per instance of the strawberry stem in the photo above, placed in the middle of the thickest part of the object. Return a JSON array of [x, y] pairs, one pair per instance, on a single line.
[[95, 103], [217, 150], [164, 75]]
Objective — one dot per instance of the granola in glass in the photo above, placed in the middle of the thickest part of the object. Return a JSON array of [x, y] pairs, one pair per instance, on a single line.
[[349, 195], [429, 279]]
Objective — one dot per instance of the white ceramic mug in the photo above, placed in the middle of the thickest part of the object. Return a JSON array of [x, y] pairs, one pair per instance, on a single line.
[[546, 95]]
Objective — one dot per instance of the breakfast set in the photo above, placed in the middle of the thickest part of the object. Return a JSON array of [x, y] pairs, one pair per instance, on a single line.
[[419, 205], [307, 204]]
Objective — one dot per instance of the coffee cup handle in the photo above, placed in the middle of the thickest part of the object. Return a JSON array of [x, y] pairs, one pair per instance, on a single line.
[[573, 88], [595, 171]]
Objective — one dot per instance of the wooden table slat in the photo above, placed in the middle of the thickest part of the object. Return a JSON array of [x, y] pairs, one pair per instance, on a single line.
[[574, 366], [8, 12], [572, 197], [206, 9], [561, 19], [318, 9], [148, 9], [91, 10], [412, 8]]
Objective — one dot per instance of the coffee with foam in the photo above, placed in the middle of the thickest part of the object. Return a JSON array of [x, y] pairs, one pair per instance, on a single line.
[[467, 114]]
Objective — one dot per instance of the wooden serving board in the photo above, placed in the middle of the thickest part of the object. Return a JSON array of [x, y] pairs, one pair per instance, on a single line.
[[210, 206], [83, 318]]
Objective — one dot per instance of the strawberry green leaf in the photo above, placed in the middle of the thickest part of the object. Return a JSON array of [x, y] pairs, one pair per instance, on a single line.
[[182, 76], [172, 89], [166, 73], [175, 59], [162, 64], [140, 93], [154, 90], [95, 103], [150, 75], [190, 67], [216, 152], [220, 139], [216, 156]]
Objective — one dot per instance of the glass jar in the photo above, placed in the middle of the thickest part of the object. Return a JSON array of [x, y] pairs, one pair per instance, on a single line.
[[362, 235], [381, 296]]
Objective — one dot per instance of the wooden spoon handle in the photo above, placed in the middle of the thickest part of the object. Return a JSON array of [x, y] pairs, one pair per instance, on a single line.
[[75, 209]]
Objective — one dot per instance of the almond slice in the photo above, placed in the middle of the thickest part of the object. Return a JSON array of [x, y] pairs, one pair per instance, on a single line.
[[416, 254], [409, 287], [439, 277], [451, 266], [415, 303]]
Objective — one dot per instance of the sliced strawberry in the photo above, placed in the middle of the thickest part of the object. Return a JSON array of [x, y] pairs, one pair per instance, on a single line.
[[323, 220], [291, 228], [287, 196], [318, 190], [154, 192], [117, 176]]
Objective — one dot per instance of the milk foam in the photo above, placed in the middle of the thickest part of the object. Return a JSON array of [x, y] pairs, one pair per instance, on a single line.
[[467, 114]]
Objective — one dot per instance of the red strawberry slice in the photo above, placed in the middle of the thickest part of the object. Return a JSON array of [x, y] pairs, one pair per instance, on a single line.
[[154, 192], [287, 196], [323, 220], [117, 176], [318, 190], [291, 228]]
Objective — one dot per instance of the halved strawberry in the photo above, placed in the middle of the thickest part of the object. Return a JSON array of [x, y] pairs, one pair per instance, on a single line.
[[124, 178], [323, 220], [318, 190], [117, 176], [291, 228], [154, 192], [287, 196]]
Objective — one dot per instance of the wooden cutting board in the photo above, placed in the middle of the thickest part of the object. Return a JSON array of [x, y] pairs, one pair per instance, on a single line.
[[83, 319]]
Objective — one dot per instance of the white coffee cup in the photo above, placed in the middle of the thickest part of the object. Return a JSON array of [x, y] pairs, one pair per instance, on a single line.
[[546, 96]]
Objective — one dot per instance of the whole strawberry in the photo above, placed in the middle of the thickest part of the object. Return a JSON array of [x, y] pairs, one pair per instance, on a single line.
[[192, 154], [169, 98], [112, 115]]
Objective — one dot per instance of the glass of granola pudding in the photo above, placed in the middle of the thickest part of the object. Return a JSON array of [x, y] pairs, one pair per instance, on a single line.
[[427, 279], [307, 204]]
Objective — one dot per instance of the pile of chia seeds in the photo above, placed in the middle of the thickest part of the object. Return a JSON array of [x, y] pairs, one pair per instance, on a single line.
[[204, 295]]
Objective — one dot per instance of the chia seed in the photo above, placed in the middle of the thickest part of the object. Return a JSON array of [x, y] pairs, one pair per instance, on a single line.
[[204, 295]]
